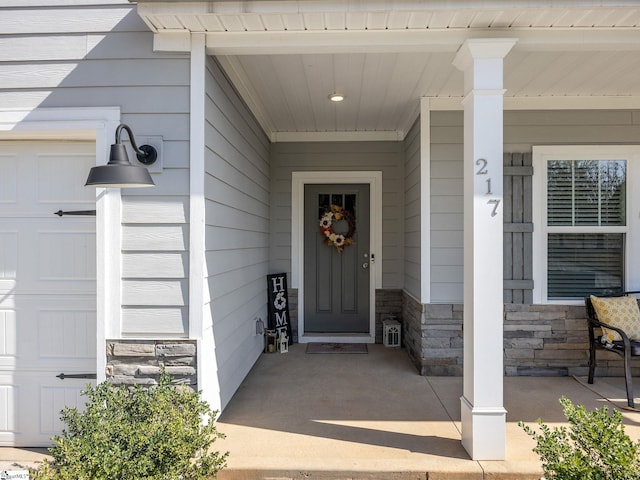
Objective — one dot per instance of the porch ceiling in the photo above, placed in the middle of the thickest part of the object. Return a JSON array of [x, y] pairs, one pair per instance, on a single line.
[[286, 56]]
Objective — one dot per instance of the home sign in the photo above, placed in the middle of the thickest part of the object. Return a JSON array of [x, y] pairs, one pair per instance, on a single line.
[[278, 305]]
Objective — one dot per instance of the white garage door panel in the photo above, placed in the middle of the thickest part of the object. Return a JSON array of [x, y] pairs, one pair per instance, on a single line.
[[67, 255], [8, 401], [8, 337], [8, 254], [53, 398], [67, 335], [47, 286], [8, 178], [48, 333], [68, 189], [54, 254], [31, 406], [33, 181]]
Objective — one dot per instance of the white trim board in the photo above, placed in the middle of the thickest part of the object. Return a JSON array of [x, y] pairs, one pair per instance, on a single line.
[[298, 181], [99, 125]]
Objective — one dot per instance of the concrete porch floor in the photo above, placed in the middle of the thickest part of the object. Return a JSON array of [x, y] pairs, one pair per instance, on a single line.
[[371, 416], [356, 416]]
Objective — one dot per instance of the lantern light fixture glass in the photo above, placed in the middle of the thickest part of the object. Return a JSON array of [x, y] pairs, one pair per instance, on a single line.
[[119, 172]]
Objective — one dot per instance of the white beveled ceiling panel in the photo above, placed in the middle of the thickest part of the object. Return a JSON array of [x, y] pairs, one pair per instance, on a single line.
[[297, 87], [286, 56]]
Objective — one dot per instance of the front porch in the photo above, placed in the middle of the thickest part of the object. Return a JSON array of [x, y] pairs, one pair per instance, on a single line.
[[372, 416], [356, 416]]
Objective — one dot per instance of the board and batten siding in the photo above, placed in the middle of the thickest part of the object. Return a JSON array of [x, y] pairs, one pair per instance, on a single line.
[[237, 182], [99, 54], [387, 157], [412, 224], [522, 130]]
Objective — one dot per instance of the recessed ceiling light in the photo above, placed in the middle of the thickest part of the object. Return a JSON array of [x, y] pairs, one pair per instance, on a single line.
[[336, 97]]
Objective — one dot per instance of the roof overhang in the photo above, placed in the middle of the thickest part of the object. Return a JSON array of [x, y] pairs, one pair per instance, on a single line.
[[240, 32]]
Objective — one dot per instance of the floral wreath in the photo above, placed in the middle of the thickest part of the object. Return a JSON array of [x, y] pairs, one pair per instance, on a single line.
[[332, 214]]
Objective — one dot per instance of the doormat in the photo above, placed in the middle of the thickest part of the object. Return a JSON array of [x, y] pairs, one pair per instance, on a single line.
[[337, 348]]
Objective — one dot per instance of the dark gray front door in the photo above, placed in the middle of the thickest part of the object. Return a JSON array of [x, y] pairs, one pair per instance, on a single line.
[[336, 258]]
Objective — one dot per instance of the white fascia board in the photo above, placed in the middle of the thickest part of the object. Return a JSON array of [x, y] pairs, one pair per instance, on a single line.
[[332, 41], [227, 7], [386, 41], [547, 103]]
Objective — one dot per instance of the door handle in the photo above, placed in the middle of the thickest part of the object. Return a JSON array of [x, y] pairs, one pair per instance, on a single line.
[[365, 265]]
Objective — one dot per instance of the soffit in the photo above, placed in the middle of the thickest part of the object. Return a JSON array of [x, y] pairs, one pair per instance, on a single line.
[[286, 57]]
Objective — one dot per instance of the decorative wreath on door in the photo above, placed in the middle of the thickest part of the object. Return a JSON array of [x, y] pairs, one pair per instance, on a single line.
[[333, 214]]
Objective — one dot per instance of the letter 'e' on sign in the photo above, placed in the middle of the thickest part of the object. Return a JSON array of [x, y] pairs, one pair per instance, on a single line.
[[278, 305]]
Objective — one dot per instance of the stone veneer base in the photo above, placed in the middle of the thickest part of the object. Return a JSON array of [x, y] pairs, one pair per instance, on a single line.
[[539, 340], [132, 362]]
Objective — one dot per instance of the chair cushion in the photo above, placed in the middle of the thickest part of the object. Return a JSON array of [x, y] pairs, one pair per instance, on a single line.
[[620, 312]]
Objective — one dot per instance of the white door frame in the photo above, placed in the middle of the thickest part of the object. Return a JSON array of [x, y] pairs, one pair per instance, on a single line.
[[298, 181], [97, 124]]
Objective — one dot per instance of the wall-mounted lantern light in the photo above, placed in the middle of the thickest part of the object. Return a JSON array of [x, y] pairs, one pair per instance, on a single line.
[[118, 172]]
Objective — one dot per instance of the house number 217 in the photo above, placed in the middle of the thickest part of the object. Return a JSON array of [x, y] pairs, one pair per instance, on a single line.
[[483, 170]]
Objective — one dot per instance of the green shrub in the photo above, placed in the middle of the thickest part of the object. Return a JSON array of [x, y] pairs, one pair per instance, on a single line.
[[593, 447], [157, 433]]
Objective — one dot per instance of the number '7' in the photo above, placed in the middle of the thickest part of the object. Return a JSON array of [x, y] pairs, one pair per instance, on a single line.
[[495, 202]]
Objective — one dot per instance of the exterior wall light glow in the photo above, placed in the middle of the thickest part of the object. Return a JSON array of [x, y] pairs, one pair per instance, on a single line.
[[118, 172], [336, 97]]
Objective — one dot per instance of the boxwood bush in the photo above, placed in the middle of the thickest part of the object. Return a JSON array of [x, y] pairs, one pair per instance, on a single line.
[[164, 432], [593, 447]]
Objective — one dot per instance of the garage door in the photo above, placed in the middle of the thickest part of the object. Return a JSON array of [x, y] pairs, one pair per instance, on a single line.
[[47, 286]]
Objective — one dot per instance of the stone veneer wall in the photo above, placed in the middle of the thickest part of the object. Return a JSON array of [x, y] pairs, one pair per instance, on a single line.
[[539, 340], [292, 294], [140, 361], [432, 335]]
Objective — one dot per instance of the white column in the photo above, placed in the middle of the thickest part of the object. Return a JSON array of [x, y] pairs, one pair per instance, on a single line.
[[483, 414], [200, 318]]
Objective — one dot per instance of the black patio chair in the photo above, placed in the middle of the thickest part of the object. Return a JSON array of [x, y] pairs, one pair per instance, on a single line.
[[626, 348]]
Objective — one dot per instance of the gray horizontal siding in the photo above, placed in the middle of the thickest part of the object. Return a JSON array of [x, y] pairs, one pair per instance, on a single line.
[[237, 228], [99, 54], [387, 157], [522, 130]]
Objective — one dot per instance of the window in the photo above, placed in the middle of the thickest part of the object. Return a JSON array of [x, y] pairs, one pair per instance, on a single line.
[[581, 226]]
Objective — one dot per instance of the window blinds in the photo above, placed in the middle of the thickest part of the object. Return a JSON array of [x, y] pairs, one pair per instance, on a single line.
[[585, 193]]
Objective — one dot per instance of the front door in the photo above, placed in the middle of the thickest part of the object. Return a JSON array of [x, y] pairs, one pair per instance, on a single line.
[[336, 259]]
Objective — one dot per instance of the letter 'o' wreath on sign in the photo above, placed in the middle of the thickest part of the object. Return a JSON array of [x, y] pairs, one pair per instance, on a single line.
[[334, 214]]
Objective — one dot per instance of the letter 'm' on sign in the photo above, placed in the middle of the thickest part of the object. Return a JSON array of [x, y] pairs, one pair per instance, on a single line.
[[281, 319]]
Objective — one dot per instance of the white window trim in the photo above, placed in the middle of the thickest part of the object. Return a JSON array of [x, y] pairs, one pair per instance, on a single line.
[[541, 154]]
